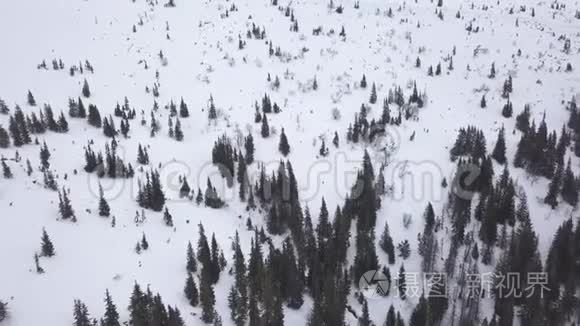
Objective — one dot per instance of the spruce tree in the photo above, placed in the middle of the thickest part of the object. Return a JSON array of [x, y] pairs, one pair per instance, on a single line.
[[206, 296], [4, 138], [167, 218], [191, 264], [86, 89], [373, 97], [81, 314], [569, 188], [178, 133], [387, 245], [500, 147], [104, 209], [283, 146], [190, 291], [265, 130], [111, 317], [31, 100], [6, 170], [47, 248], [554, 188], [44, 156]]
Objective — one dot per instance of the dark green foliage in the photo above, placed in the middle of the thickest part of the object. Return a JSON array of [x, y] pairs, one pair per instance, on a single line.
[[81, 314], [499, 150], [104, 209], [4, 138], [65, 208], [94, 117], [111, 317], [86, 90], [6, 170], [191, 292], [283, 146], [265, 130], [373, 97], [46, 248], [151, 194]]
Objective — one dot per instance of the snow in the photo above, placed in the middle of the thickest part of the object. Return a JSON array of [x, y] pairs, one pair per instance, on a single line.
[[92, 256]]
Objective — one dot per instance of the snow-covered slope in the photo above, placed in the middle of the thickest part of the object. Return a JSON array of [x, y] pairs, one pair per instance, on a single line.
[[202, 59]]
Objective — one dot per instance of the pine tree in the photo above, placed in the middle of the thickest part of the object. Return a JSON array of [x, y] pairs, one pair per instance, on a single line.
[[31, 100], [265, 131], [569, 188], [3, 311], [94, 117], [44, 156], [364, 319], [207, 296], [373, 97], [500, 147], [419, 315], [404, 249], [104, 209], [554, 188], [249, 146], [167, 218], [363, 82], [212, 113], [183, 111], [335, 140], [111, 317], [283, 146], [190, 291], [47, 248], [81, 314], [144, 242], [6, 170], [178, 133], [4, 138], [401, 283], [86, 90], [387, 245], [323, 151], [191, 264]]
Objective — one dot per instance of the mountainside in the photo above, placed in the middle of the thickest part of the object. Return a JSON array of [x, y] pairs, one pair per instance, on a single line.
[[126, 127]]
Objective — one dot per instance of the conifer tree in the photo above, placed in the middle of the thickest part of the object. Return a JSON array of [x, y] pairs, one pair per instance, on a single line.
[[104, 209], [190, 291], [183, 111], [283, 146], [265, 130], [483, 103], [387, 245], [44, 156], [206, 296], [185, 189], [323, 151], [178, 133], [364, 319], [86, 89], [111, 317], [500, 147], [363, 82], [554, 188], [94, 117], [373, 97], [6, 170], [167, 218], [401, 283], [212, 113], [31, 100], [191, 264], [47, 248], [81, 314], [144, 242], [569, 188], [4, 138]]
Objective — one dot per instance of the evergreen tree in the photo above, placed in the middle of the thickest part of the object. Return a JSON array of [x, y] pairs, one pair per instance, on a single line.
[[283, 146], [167, 218], [6, 170], [104, 209], [207, 296], [212, 112], [4, 138], [94, 117], [190, 291], [500, 147], [86, 90], [249, 146], [483, 103], [401, 283], [569, 188], [44, 156], [554, 188], [183, 111], [47, 248], [111, 317], [419, 315], [178, 133], [191, 264], [323, 151], [364, 319], [363, 82], [31, 100], [81, 314], [265, 131], [373, 97]]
